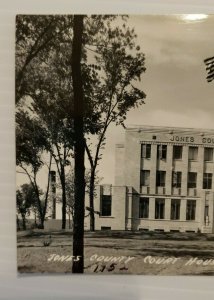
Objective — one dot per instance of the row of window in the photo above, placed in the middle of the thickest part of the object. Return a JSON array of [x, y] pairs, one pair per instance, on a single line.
[[177, 152], [106, 203], [176, 179], [160, 209]]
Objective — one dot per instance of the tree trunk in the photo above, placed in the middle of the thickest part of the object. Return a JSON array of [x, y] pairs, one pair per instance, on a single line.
[[17, 223], [79, 148], [63, 198], [91, 200], [23, 222], [69, 220]]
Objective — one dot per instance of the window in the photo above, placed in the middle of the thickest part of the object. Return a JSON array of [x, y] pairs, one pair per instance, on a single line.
[[192, 179], [146, 151], [191, 207], [207, 181], [208, 154], [161, 151], [193, 153], [144, 208], [176, 179], [159, 208], [145, 178], [161, 178], [175, 209], [106, 205], [177, 152]]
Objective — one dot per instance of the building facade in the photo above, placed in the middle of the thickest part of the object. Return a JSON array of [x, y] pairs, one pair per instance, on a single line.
[[164, 181]]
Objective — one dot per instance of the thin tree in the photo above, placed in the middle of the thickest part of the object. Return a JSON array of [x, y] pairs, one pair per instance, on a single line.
[[79, 146], [118, 66], [25, 201], [30, 146]]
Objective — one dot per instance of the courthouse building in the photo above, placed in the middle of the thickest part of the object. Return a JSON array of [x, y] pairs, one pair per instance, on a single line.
[[163, 182]]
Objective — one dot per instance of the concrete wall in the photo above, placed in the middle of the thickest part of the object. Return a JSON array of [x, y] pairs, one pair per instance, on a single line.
[[119, 165], [117, 219]]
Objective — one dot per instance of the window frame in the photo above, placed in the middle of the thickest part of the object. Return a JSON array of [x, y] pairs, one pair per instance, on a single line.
[[174, 152], [143, 208], [175, 209], [143, 178], [190, 210], [206, 155], [146, 151], [159, 177], [207, 181], [107, 214], [191, 154], [193, 183], [176, 183], [162, 152], [159, 209]]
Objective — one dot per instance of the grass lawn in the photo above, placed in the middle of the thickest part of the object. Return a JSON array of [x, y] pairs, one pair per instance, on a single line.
[[108, 252]]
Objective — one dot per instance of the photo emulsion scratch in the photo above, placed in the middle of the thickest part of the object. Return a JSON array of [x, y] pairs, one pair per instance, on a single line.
[[115, 144]]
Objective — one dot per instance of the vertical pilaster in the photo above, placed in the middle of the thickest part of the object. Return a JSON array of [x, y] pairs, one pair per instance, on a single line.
[[153, 169], [185, 166], [167, 208], [183, 210], [169, 170], [151, 208]]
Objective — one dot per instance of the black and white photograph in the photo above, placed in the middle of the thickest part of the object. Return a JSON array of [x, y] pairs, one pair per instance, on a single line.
[[115, 144]]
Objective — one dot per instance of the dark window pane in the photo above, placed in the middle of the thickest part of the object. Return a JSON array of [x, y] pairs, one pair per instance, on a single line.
[[191, 208], [144, 208], [161, 178], [177, 152], [192, 179], [208, 154], [146, 151], [106, 205], [207, 181], [175, 209], [159, 208], [161, 151]]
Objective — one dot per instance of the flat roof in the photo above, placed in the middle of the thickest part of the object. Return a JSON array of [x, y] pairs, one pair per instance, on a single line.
[[170, 130]]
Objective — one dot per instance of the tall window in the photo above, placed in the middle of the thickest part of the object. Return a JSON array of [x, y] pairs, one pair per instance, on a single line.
[[175, 209], [176, 179], [144, 208], [145, 150], [207, 181], [177, 152], [161, 151], [145, 178], [106, 205], [161, 178], [208, 154], [193, 153], [159, 208], [191, 208], [192, 180]]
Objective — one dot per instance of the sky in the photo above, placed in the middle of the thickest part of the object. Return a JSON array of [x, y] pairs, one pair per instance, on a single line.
[[175, 78], [174, 82]]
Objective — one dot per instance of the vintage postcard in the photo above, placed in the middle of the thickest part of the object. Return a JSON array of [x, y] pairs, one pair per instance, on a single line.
[[115, 144]]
